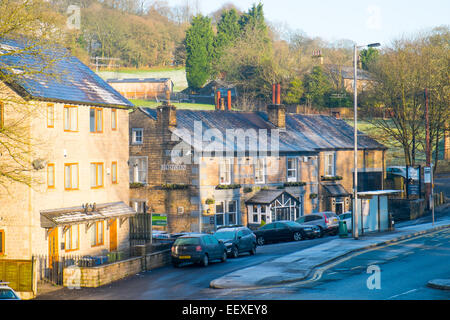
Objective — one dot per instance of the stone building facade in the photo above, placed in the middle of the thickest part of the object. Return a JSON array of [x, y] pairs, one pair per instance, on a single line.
[[184, 164], [75, 198]]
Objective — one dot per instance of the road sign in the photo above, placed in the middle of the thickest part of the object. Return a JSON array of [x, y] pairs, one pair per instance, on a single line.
[[159, 220]]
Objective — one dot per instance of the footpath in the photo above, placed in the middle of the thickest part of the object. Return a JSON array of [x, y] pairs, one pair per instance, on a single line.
[[300, 265]]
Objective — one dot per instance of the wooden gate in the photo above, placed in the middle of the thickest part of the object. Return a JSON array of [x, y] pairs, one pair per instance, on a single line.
[[19, 274]]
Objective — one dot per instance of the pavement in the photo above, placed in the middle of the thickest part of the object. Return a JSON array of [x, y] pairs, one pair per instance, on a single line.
[[300, 265]]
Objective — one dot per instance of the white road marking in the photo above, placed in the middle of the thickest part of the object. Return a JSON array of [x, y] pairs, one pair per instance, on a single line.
[[401, 294]]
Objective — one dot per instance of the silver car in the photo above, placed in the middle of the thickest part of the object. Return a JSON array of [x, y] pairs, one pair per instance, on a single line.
[[327, 221]]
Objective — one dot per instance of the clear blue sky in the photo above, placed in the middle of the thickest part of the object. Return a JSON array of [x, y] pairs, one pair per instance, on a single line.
[[363, 21]]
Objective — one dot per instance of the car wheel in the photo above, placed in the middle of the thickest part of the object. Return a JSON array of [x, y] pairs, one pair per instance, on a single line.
[[234, 252], [253, 250], [321, 232], [205, 260], [298, 236], [224, 256], [260, 241]]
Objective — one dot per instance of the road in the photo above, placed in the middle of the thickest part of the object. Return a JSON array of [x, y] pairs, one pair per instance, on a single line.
[[405, 268], [188, 282]]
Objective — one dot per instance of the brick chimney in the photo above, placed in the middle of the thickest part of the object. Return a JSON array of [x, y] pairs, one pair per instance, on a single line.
[[277, 111], [167, 116]]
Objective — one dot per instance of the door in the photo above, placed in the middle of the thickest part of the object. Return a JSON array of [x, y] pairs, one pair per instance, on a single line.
[[113, 235], [52, 247], [339, 208], [283, 231], [215, 248]]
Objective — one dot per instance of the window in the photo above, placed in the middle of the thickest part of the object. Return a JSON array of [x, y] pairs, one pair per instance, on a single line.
[[260, 173], [231, 212], [71, 176], [96, 120], [370, 159], [50, 175], [96, 175], [2, 242], [138, 169], [329, 164], [225, 171], [114, 172], [97, 234], [71, 238], [292, 169], [50, 115], [113, 119], [137, 135], [220, 214], [2, 114], [138, 206], [70, 118]]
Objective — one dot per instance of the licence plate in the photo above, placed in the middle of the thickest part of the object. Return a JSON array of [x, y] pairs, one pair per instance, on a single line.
[[184, 257]]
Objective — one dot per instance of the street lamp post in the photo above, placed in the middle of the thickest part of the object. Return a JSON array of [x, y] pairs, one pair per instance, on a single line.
[[355, 226]]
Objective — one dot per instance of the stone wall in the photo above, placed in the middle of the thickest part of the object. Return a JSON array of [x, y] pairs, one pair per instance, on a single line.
[[93, 277]]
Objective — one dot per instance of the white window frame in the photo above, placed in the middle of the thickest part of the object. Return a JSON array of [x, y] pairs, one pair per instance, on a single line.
[[134, 135], [225, 171], [295, 169], [260, 171], [329, 164], [138, 169]]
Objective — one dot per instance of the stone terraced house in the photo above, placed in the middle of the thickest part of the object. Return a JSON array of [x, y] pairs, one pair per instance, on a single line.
[[78, 200], [204, 169]]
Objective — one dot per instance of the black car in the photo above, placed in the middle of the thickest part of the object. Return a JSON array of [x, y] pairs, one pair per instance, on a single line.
[[198, 248], [237, 240], [285, 230]]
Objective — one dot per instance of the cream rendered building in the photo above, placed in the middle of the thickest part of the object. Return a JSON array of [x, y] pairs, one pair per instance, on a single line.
[[77, 135]]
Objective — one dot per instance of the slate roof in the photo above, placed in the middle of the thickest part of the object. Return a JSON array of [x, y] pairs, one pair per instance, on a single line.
[[267, 196], [289, 142], [347, 73], [138, 80], [326, 132], [75, 82], [303, 133], [336, 190]]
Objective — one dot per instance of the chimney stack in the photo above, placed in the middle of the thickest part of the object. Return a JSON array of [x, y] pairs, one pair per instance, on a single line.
[[276, 111], [167, 116]]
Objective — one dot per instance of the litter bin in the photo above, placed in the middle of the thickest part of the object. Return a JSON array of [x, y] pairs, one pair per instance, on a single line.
[[343, 231]]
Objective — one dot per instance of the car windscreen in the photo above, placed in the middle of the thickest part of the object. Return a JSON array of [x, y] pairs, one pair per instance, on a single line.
[[224, 235], [187, 242], [7, 294], [330, 214]]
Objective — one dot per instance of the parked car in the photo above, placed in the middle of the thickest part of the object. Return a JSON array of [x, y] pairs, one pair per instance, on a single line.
[[401, 171], [347, 217], [237, 239], [284, 230], [198, 248], [327, 221], [7, 293]]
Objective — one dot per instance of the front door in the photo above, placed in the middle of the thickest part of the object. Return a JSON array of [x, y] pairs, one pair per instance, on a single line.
[[52, 246], [113, 235], [339, 208]]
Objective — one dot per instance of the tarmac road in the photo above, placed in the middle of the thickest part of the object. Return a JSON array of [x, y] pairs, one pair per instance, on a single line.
[[188, 282]]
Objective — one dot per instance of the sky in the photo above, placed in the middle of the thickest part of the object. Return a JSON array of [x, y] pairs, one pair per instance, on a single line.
[[363, 21]]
